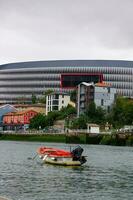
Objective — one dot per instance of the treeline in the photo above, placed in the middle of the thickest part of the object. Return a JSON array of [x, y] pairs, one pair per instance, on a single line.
[[120, 115], [41, 121]]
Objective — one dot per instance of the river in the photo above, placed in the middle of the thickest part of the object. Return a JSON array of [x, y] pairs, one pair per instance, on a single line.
[[107, 175]]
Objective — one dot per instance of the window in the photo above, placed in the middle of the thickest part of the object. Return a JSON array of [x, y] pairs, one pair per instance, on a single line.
[[55, 102], [56, 96], [102, 102], [108, 89], [55, 107], [62, 101]]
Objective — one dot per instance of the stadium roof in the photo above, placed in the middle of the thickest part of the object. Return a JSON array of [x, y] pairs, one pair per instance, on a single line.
[[71, 63]]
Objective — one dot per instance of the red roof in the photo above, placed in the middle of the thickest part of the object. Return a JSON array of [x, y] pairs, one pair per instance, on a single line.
[[102, 84], [20, 112]]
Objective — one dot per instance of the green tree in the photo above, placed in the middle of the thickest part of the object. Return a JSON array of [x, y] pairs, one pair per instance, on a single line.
[[42, 99], [118, 113], [22, 100], [33, 98], [79, 123], [100, 117], [47, 92], [38, 121], [73, 95], [129, 112], [122, 112], [68, 111], [51, 117], [95, 114], [91, 110], [44, 121]]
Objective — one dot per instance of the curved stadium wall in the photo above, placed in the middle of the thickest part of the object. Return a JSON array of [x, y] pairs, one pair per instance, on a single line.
[[25, 78]]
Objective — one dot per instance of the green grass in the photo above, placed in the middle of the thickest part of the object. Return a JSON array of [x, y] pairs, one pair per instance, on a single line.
[[39, 138], [76, 139]]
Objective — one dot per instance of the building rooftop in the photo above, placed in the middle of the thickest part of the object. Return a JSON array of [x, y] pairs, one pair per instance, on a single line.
[[71, 63], [58, 93], [86, 84], [103, 84], [20, 112], [93, 125]]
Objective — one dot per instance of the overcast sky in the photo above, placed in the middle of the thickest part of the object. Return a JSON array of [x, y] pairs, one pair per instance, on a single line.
[[65, 29]]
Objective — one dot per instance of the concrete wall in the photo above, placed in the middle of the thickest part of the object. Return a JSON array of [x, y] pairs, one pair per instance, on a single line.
[[104, 97]]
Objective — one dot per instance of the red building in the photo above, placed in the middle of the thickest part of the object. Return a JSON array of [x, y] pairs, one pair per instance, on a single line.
[[18, 120]]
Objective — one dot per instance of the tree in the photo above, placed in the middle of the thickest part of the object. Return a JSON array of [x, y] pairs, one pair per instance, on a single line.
[[67, 112], [38, 121], [21, 100], [79, 123], [100, 117], [73, 96], [122, 113], [42, 99], [47, 92], [129, 114], [33, 98], [91, 110], [51, 117], [43, 121], [95, 114]]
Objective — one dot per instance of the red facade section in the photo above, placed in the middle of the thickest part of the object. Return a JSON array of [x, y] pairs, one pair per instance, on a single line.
[[19, 118]]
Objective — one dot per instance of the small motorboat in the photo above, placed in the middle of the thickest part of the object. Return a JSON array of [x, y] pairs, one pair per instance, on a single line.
[[62, 157]]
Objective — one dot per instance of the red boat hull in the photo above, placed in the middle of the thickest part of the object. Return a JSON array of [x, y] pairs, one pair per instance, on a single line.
[[53, 152]]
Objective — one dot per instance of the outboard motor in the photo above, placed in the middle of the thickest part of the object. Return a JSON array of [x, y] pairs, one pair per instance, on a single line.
[[77, 154], [83, 160]]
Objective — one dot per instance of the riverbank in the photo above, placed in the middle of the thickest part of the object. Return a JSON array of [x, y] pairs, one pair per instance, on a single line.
[[114, 139]]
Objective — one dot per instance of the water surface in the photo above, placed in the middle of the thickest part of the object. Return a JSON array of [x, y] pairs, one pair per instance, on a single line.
[[107, 175]]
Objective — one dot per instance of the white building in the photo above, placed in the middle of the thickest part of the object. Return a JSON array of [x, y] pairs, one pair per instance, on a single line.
[[102, 94], [56, 101], [93, 128]]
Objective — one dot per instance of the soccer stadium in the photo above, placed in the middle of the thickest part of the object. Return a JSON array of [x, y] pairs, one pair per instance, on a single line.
[[23, 79]]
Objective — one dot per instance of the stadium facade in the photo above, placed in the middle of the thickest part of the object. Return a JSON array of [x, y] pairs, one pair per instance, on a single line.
[[23, 79]]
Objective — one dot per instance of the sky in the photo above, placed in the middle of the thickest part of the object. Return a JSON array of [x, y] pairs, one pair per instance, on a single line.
[[32, 30]]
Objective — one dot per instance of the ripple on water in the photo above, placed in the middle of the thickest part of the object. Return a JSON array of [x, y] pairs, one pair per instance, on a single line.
[[108, 174]]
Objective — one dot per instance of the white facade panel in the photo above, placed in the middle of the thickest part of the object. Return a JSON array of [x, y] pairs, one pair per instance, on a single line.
[[47, 75], [55, 102]]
